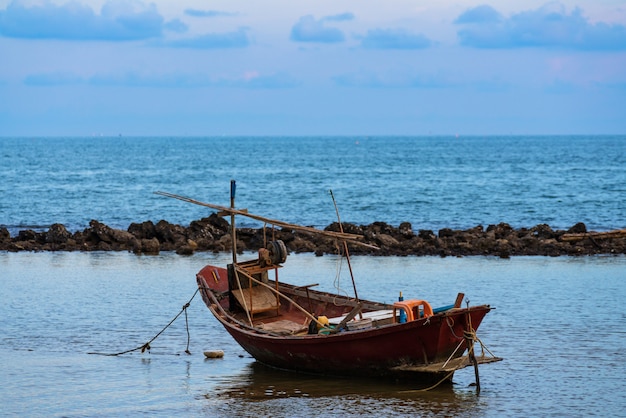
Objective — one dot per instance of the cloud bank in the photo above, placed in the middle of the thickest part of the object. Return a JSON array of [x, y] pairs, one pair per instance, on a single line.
[[308, 29], [117, 21], [549, 26]]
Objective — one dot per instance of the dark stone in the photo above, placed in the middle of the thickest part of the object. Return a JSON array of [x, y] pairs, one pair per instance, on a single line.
[[150, 246], [5, 236], [57, 234], [185, 250], [426, 234], [26, 235], [167, 232], [406, 230], [579, 228], [543, 231], [144, 230]]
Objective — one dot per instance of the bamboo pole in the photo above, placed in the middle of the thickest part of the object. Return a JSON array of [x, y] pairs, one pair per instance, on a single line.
[[233, 234], [618, 233], [469, 335], [243, 297], [353, 238]]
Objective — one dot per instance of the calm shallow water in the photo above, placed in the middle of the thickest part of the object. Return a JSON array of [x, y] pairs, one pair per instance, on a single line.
[[559, 323]]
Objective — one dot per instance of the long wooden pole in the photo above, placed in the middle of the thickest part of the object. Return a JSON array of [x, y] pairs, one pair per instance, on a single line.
[[353, 238], [233, 235], [618, 233], [469, 338]]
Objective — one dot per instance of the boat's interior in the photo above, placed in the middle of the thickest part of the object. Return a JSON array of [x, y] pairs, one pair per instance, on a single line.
[[257, 298]]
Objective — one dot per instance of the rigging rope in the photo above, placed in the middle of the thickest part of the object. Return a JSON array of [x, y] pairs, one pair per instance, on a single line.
[[146, 346]]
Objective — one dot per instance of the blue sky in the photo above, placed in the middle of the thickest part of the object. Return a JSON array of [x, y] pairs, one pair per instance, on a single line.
[[351, 67]]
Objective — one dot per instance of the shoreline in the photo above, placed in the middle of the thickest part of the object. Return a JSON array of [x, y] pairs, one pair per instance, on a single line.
[[211, 234]]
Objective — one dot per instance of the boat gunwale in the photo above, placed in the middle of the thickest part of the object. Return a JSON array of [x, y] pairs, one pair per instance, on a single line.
[[233, 323]]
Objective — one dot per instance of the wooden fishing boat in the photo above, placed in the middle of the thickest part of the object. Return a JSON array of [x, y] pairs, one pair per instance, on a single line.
[[301, 329]]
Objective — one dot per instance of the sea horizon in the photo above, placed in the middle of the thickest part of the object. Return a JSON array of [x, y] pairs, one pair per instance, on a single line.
[[432, 182]]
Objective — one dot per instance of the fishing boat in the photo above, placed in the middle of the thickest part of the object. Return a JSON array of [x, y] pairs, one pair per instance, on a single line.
[[299, 328]]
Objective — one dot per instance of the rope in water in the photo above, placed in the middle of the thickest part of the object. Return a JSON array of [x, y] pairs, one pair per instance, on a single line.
[[446, 377], [146, 346]]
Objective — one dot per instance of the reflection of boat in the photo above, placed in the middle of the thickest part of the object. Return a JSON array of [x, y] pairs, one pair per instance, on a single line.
[[298, 328], [258, 381]]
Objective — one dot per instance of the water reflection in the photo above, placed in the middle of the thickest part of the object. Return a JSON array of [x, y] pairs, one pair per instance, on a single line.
[[260, 390]]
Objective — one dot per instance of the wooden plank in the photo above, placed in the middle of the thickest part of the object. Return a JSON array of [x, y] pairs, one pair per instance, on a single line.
[[452, 365], [348, 317], [459, 300], [255, 268], [619, 233], [373, 315], [257, 299]]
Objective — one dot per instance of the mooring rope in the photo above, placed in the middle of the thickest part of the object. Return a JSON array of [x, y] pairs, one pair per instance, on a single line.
[[146, 346], [430, 387]]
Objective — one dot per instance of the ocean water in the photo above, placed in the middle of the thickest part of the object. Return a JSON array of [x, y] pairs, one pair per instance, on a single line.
[[559, 324], [432, 182]]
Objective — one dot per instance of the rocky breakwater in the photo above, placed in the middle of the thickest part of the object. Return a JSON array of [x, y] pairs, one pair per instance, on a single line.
[[212, 234]]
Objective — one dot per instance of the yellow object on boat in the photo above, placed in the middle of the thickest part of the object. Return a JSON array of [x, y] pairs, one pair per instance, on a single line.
[[323, 320]]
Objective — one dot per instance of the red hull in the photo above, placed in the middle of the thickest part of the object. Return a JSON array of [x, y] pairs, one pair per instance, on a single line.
[[413, 350]]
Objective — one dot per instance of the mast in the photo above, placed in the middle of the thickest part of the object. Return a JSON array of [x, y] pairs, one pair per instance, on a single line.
[[233, 234]]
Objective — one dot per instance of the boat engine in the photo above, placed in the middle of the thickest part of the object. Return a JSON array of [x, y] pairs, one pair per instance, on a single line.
[[274, 253]]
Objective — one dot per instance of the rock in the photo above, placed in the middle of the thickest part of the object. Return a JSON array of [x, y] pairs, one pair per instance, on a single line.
[[213, 226], [501, 230], [150, 246], [122, 237], [116, 239], [184, 250], [300, 245], [579, 228], [99, 230], [214, 354], [104, 246], [171, 233], [543, 231], [57, 234], [385, 240], [27, 235], [187, 249], [426, 234], [446, 233], [144, 230], [406, 230], [5, 236]]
